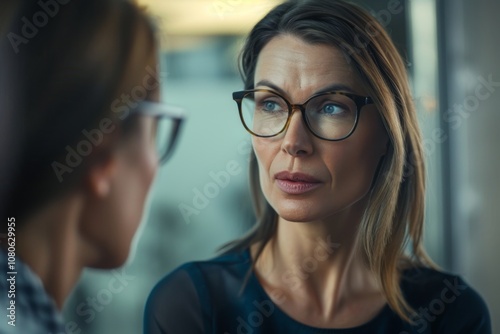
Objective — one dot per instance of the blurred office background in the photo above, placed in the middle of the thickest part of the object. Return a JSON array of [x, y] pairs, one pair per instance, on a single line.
[[452, 52]]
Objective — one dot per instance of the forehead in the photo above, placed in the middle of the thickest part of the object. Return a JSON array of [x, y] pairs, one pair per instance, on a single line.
[[301, 69]]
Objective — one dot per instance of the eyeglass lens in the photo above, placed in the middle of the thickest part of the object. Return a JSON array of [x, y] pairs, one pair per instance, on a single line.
[[330, 116], [166, 133]]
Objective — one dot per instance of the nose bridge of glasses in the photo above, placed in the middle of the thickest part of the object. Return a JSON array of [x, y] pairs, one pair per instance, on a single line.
[[302, 117], [299, 107]]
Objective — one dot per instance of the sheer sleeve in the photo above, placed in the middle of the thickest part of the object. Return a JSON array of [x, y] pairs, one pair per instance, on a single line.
[[174, 306]]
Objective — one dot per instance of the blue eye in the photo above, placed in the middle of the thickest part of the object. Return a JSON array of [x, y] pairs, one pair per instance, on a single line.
[[270, 105], [332, 109]]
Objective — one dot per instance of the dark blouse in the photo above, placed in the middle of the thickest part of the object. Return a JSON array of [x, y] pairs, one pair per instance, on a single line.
[[205, 297]]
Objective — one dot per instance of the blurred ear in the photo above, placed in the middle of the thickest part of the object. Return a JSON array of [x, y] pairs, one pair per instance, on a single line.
[[100, 175]]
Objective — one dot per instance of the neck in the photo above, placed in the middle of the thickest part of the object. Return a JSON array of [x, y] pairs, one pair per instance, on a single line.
[[48, 243], [318, 260]]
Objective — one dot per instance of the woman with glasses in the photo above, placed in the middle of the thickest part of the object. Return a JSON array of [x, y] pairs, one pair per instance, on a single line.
[[338, 183], [93, 133]]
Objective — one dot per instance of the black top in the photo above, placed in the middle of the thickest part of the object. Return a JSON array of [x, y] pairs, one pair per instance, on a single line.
[[204, 297]]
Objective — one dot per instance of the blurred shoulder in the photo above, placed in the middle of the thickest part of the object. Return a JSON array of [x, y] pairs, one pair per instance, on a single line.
[[181, 302], [198, 273], [444, 301]]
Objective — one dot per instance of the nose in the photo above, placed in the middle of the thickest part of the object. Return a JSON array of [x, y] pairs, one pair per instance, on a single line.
[[297, 140]]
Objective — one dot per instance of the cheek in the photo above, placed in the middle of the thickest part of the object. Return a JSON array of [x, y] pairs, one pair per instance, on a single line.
[[146, 155], [135, 182], [352, 171], [265, 151], [111, 223], [146, 165], [353, 164], [149, 165]]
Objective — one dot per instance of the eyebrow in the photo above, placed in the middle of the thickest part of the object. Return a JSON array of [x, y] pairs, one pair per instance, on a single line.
[[330, 88]]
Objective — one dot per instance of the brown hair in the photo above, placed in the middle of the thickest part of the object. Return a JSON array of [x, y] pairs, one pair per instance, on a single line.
[[394, 217], [69, 73]]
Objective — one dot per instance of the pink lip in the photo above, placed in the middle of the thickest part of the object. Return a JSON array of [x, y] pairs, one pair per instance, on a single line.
[[296, 183]]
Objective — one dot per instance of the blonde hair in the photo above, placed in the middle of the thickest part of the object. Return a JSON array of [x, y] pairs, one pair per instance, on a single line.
[[394, 217]]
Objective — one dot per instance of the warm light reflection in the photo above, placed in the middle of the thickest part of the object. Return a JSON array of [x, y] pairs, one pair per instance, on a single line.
[[207, 17]]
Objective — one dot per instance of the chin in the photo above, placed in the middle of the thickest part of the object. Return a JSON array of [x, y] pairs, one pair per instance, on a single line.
[[111, 260], [296, 218], [296, 214]]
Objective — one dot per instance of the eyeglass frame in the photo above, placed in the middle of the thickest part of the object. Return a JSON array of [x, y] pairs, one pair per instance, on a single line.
[[161, 110], [359, 100]]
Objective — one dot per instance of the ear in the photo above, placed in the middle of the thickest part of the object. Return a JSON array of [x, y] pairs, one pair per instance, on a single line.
[[100, 175]]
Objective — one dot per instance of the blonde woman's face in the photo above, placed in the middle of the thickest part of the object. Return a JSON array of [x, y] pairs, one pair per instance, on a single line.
[[305, 178]]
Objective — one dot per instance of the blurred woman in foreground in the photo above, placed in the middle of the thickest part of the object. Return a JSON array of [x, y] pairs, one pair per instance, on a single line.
[[92, 136]]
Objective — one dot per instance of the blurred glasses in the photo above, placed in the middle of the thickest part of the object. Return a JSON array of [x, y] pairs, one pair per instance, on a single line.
[[330, 116], [169, 121]]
